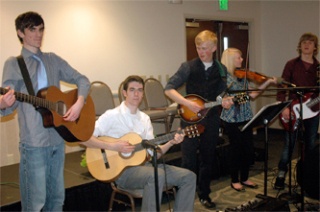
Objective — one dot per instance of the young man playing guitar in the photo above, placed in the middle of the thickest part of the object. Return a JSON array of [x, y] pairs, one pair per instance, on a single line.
[[301, 71], [125, 119], [42, 150]]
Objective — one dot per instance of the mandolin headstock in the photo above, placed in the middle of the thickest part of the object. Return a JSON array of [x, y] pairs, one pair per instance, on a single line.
[[241, 98]]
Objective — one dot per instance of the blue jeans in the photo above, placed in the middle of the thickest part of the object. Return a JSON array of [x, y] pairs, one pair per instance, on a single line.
[[142, 177], [41, 177], [309, 137]]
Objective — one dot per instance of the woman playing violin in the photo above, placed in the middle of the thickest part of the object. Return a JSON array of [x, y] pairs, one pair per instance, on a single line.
[[241, 145]]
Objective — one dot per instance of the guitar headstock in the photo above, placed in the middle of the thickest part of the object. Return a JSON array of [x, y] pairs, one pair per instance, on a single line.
[[194, 130], [241, 98]]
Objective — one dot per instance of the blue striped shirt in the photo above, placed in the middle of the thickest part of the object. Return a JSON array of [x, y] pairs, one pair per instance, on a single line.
[[237, 112]]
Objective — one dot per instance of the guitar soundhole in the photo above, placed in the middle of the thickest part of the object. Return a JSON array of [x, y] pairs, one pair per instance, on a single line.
[[125, 155], [61, 108]]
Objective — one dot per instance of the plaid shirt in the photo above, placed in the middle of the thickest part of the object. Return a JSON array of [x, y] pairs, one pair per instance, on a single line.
[[237, 112]]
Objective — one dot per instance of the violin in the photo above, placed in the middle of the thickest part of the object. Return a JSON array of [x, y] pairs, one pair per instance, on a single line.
[[251, 75]]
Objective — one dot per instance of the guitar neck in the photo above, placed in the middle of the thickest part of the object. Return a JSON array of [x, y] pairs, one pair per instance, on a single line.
[[37, 101], [241, 98], [159, 140], [211, 104], [313, 102]]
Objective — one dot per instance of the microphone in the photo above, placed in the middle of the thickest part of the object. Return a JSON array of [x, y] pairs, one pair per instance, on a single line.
[[149, 145], [282, 81]]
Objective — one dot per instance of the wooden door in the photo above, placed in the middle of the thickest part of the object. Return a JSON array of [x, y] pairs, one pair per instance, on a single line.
[[237, 34]]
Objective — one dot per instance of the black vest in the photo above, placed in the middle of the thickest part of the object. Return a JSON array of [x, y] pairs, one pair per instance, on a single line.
[[207, 84]]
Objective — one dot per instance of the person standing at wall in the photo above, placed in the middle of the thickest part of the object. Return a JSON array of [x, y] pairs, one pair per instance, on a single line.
[[203, 76], [42, 150], [241, 143], [300, 71]]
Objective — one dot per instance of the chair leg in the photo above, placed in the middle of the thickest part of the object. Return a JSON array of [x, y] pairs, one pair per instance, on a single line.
[[174, 192], [170, 120], [111, 200], [167, 125], [133, 207]]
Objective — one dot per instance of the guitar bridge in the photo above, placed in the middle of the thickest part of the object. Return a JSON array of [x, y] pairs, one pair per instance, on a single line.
[[105, 160]]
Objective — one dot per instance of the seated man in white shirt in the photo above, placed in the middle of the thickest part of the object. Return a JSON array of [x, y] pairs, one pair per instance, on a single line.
[[128, 118]]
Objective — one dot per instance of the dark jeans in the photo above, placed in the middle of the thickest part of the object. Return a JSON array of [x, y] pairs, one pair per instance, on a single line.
[[309, 137], [241, 151], [206, 145]]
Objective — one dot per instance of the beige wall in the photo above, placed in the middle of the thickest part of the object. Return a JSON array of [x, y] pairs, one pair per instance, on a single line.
[[108, 40]]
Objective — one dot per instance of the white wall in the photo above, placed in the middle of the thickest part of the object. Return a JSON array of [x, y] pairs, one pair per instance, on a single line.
[[109, 40], [282, 23]]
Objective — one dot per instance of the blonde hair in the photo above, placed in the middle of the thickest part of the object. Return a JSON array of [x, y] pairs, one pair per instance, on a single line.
[[227, 58], [204, 36]]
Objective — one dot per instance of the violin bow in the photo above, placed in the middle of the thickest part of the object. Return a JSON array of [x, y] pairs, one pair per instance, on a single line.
[[246, 69]]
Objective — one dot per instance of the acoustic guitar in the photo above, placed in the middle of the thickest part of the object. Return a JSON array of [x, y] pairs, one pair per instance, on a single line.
[[190, 117], [53, 104], [107, 165], [310, 108]]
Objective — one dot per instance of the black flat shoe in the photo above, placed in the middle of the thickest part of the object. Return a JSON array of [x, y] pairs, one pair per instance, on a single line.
[[249, 186], [238, 189], [207, 203]]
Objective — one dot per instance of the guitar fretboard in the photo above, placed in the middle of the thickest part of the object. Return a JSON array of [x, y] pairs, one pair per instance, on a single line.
[[190, 131], [159, 140], [313, 102], [241, 98], [37, 101]]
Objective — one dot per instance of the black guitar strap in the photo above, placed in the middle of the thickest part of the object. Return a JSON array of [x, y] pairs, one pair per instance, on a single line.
[[222, 72], [25, 75]]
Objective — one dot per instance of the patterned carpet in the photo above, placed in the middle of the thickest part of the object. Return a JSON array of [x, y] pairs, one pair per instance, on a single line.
[[227, 198]]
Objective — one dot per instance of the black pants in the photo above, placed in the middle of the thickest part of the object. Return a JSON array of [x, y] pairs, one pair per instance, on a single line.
[[206, 145], [241, 151]]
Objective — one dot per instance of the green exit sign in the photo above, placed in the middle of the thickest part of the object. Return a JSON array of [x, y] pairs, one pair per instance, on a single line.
[[223, 4]]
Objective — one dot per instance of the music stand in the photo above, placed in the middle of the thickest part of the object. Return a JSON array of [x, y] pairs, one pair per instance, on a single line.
[[264, 116]]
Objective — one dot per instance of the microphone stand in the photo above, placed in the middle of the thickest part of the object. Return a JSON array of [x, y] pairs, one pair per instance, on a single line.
[[298, 91], [310, 88], [302, 150], [288, 196], [156, 180]]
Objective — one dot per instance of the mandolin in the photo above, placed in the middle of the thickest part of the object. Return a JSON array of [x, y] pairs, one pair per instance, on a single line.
[[190, 117]]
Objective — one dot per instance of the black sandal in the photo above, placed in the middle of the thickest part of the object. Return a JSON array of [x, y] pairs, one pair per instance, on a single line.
[[238, 189], [249, 186]]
